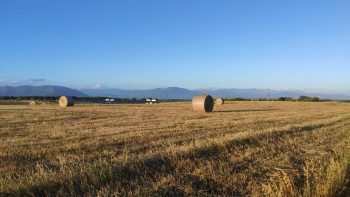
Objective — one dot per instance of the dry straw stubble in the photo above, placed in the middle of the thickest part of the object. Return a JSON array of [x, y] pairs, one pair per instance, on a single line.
[[251, 149]]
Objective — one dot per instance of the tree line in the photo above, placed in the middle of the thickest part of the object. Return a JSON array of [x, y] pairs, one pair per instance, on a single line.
[[301, 99], [55, 98]]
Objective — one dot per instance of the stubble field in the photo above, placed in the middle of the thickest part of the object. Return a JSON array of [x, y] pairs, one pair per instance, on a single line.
[[241, 149]]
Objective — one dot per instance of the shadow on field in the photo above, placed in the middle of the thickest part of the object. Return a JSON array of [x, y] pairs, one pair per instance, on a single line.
[[151, 176], [131, 177], [345, 191], [245, 110], [199, 186]]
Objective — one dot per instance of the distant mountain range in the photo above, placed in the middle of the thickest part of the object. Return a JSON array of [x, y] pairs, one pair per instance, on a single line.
[[181, 93], [47, 90], [161, 93]]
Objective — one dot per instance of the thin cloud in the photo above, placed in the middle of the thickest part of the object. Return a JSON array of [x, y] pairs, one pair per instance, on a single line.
[[37, 80], [7, 82], [99, 86]]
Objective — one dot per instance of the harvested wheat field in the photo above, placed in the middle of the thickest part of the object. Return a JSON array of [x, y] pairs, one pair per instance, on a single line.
[[243, 148]]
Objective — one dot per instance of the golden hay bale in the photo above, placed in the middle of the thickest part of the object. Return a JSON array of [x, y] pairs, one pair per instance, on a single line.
[[66, 101], [202, 103], [219, 101], [32, 103]]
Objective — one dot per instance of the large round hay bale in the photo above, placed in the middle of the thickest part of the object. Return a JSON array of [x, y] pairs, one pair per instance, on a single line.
[[219, 101], [202, 103], [32, 103], [66, 101]]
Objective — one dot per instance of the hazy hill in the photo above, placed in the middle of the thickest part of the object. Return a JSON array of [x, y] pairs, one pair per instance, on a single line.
[[181, 93], [161, 93], [38, 91], [273, 94]]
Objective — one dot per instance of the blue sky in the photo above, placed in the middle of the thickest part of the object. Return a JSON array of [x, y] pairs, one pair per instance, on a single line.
[[299, 44]]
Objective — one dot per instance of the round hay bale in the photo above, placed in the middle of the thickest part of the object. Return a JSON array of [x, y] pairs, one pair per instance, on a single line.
[[32, 103], [202, 103], [219, 101], [66, 101]]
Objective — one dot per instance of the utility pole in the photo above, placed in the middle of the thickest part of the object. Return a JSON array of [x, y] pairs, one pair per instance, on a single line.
[[268, 94]]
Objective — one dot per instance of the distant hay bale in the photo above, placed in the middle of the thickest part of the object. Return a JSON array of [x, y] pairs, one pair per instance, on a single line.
[[66, 101], [32, 103], [219, 101], [202, 103]]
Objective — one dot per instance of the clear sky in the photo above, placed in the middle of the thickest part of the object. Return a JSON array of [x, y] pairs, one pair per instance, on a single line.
[[299, 44]]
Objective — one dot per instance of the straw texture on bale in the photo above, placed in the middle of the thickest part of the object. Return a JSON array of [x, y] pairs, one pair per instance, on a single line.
[[66, 101], [202, 103], [219, 101]]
